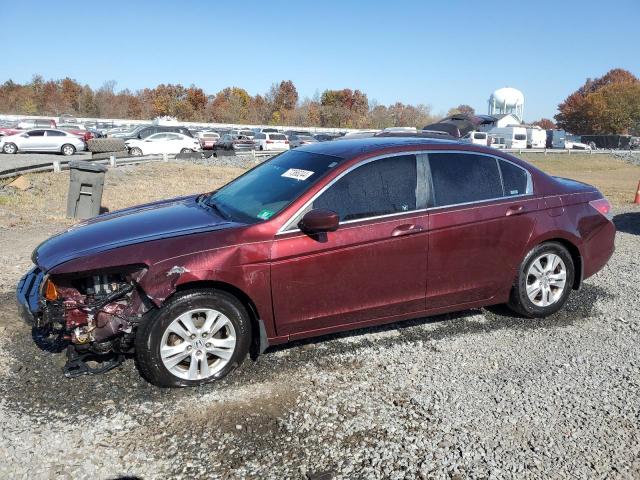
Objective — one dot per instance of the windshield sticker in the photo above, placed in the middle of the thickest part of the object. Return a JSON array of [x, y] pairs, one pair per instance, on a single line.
[[297, 174], [265, 214]]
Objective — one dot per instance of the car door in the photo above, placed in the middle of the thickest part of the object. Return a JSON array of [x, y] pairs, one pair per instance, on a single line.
[[35, 142], [155, 144], [176, 142], [478, 228], [372, 268], [53, 140]]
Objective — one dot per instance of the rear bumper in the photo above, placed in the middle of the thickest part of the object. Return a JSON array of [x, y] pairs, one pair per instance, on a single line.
[[28, 295]]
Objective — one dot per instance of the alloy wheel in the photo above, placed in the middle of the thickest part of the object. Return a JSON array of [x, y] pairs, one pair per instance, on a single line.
[[546, 280], [198, 344]]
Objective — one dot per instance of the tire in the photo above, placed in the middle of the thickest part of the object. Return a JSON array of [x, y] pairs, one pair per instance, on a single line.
[[224, 309], [135, 152], [538, 291], [10, 148], [67, 150], [186, 150], [103, 145], [261, 149]]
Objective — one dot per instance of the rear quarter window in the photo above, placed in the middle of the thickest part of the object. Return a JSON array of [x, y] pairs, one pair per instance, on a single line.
[[514, 179]]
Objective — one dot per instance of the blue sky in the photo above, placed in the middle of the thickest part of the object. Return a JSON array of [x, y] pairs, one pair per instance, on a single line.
[[440, 53]]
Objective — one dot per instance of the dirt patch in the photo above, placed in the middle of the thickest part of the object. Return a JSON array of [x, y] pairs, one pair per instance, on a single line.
[[46, 199]]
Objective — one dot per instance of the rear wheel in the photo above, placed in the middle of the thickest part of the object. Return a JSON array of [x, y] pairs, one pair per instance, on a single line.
[[544, 282], [198, 337], [186, 150], [10, 148], [68, 150]]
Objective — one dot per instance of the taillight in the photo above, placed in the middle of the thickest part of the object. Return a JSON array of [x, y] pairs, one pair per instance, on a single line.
[[269, 141], [603, 206], [287, 142]]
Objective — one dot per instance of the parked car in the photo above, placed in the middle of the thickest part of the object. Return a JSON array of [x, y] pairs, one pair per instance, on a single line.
[[208, 140], [324, 238], [42, 140], [477, 138], [297, 140], [265, 130], [36, 123], [271, 141], [235, 142], [169, 142], [78, 130], [325, 137], [142, 132], [243, 133]]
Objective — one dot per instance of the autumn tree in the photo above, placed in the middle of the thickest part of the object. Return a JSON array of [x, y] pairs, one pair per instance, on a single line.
[[545, 124], [461, 109], [607, 105]]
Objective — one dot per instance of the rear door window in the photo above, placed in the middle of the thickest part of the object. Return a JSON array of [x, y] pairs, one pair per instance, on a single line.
[[462, 178], [55, 133], [380, 187]]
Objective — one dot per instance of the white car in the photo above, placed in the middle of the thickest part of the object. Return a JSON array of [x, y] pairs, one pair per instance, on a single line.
[[43, 140], [167, 142], [476, 138], [271, 141]]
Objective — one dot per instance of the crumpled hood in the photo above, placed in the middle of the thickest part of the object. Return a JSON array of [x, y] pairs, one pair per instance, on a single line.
[[153, 221]]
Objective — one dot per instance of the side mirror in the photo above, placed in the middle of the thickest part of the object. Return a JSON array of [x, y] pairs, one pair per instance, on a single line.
[[319, 221]]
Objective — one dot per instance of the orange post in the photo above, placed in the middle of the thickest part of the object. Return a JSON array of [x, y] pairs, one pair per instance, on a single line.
[[637, 199]]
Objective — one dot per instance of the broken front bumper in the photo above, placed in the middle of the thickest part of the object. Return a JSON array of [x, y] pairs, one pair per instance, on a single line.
[[28, 295]]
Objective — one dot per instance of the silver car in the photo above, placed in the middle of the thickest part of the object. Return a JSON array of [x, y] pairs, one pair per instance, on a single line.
[[42, 140]]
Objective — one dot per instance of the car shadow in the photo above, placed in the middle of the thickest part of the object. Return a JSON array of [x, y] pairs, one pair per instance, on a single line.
[[628, 222], [439, 327]]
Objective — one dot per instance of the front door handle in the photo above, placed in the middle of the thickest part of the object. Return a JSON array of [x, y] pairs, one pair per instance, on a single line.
[[406, 229], [513, 210]]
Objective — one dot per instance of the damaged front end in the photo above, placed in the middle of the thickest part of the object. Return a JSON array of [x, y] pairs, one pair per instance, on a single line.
[[95, 314]]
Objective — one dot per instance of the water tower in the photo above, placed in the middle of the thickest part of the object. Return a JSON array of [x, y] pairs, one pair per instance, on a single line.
[[507, 100]]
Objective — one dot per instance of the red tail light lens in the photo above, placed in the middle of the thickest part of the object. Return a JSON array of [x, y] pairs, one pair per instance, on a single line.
[[603, 206], [269, 141], [287, 142]]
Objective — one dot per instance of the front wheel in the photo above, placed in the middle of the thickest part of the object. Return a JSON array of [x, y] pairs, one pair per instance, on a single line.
[[186, 150], [10, 148], [135, 152], [68, 150], [198, 337], [544, 282]]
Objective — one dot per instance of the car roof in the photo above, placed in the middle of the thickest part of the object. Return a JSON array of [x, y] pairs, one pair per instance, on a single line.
[[348, 149]]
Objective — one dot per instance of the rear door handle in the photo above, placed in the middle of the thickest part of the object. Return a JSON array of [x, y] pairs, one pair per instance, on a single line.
[[406, 229], [513, 210]]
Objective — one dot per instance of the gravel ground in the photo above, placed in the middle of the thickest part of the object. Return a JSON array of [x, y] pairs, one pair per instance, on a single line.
[[8, 162], [478, 394]]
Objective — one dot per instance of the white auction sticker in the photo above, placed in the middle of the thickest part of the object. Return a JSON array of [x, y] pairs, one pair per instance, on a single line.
[[297, 174]]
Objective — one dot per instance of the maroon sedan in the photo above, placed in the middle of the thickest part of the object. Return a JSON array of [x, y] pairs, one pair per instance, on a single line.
[[325, 238]]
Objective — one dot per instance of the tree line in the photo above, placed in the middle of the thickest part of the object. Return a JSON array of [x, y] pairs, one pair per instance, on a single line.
[[280, 105], [606, 105]]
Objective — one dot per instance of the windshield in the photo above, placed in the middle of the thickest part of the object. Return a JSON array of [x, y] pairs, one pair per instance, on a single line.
[[264, 191]]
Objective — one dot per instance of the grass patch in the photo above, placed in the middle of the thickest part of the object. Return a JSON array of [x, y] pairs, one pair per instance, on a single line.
[[614, 177]]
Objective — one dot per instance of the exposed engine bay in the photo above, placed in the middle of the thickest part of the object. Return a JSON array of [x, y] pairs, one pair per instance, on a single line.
[[95, 315]]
